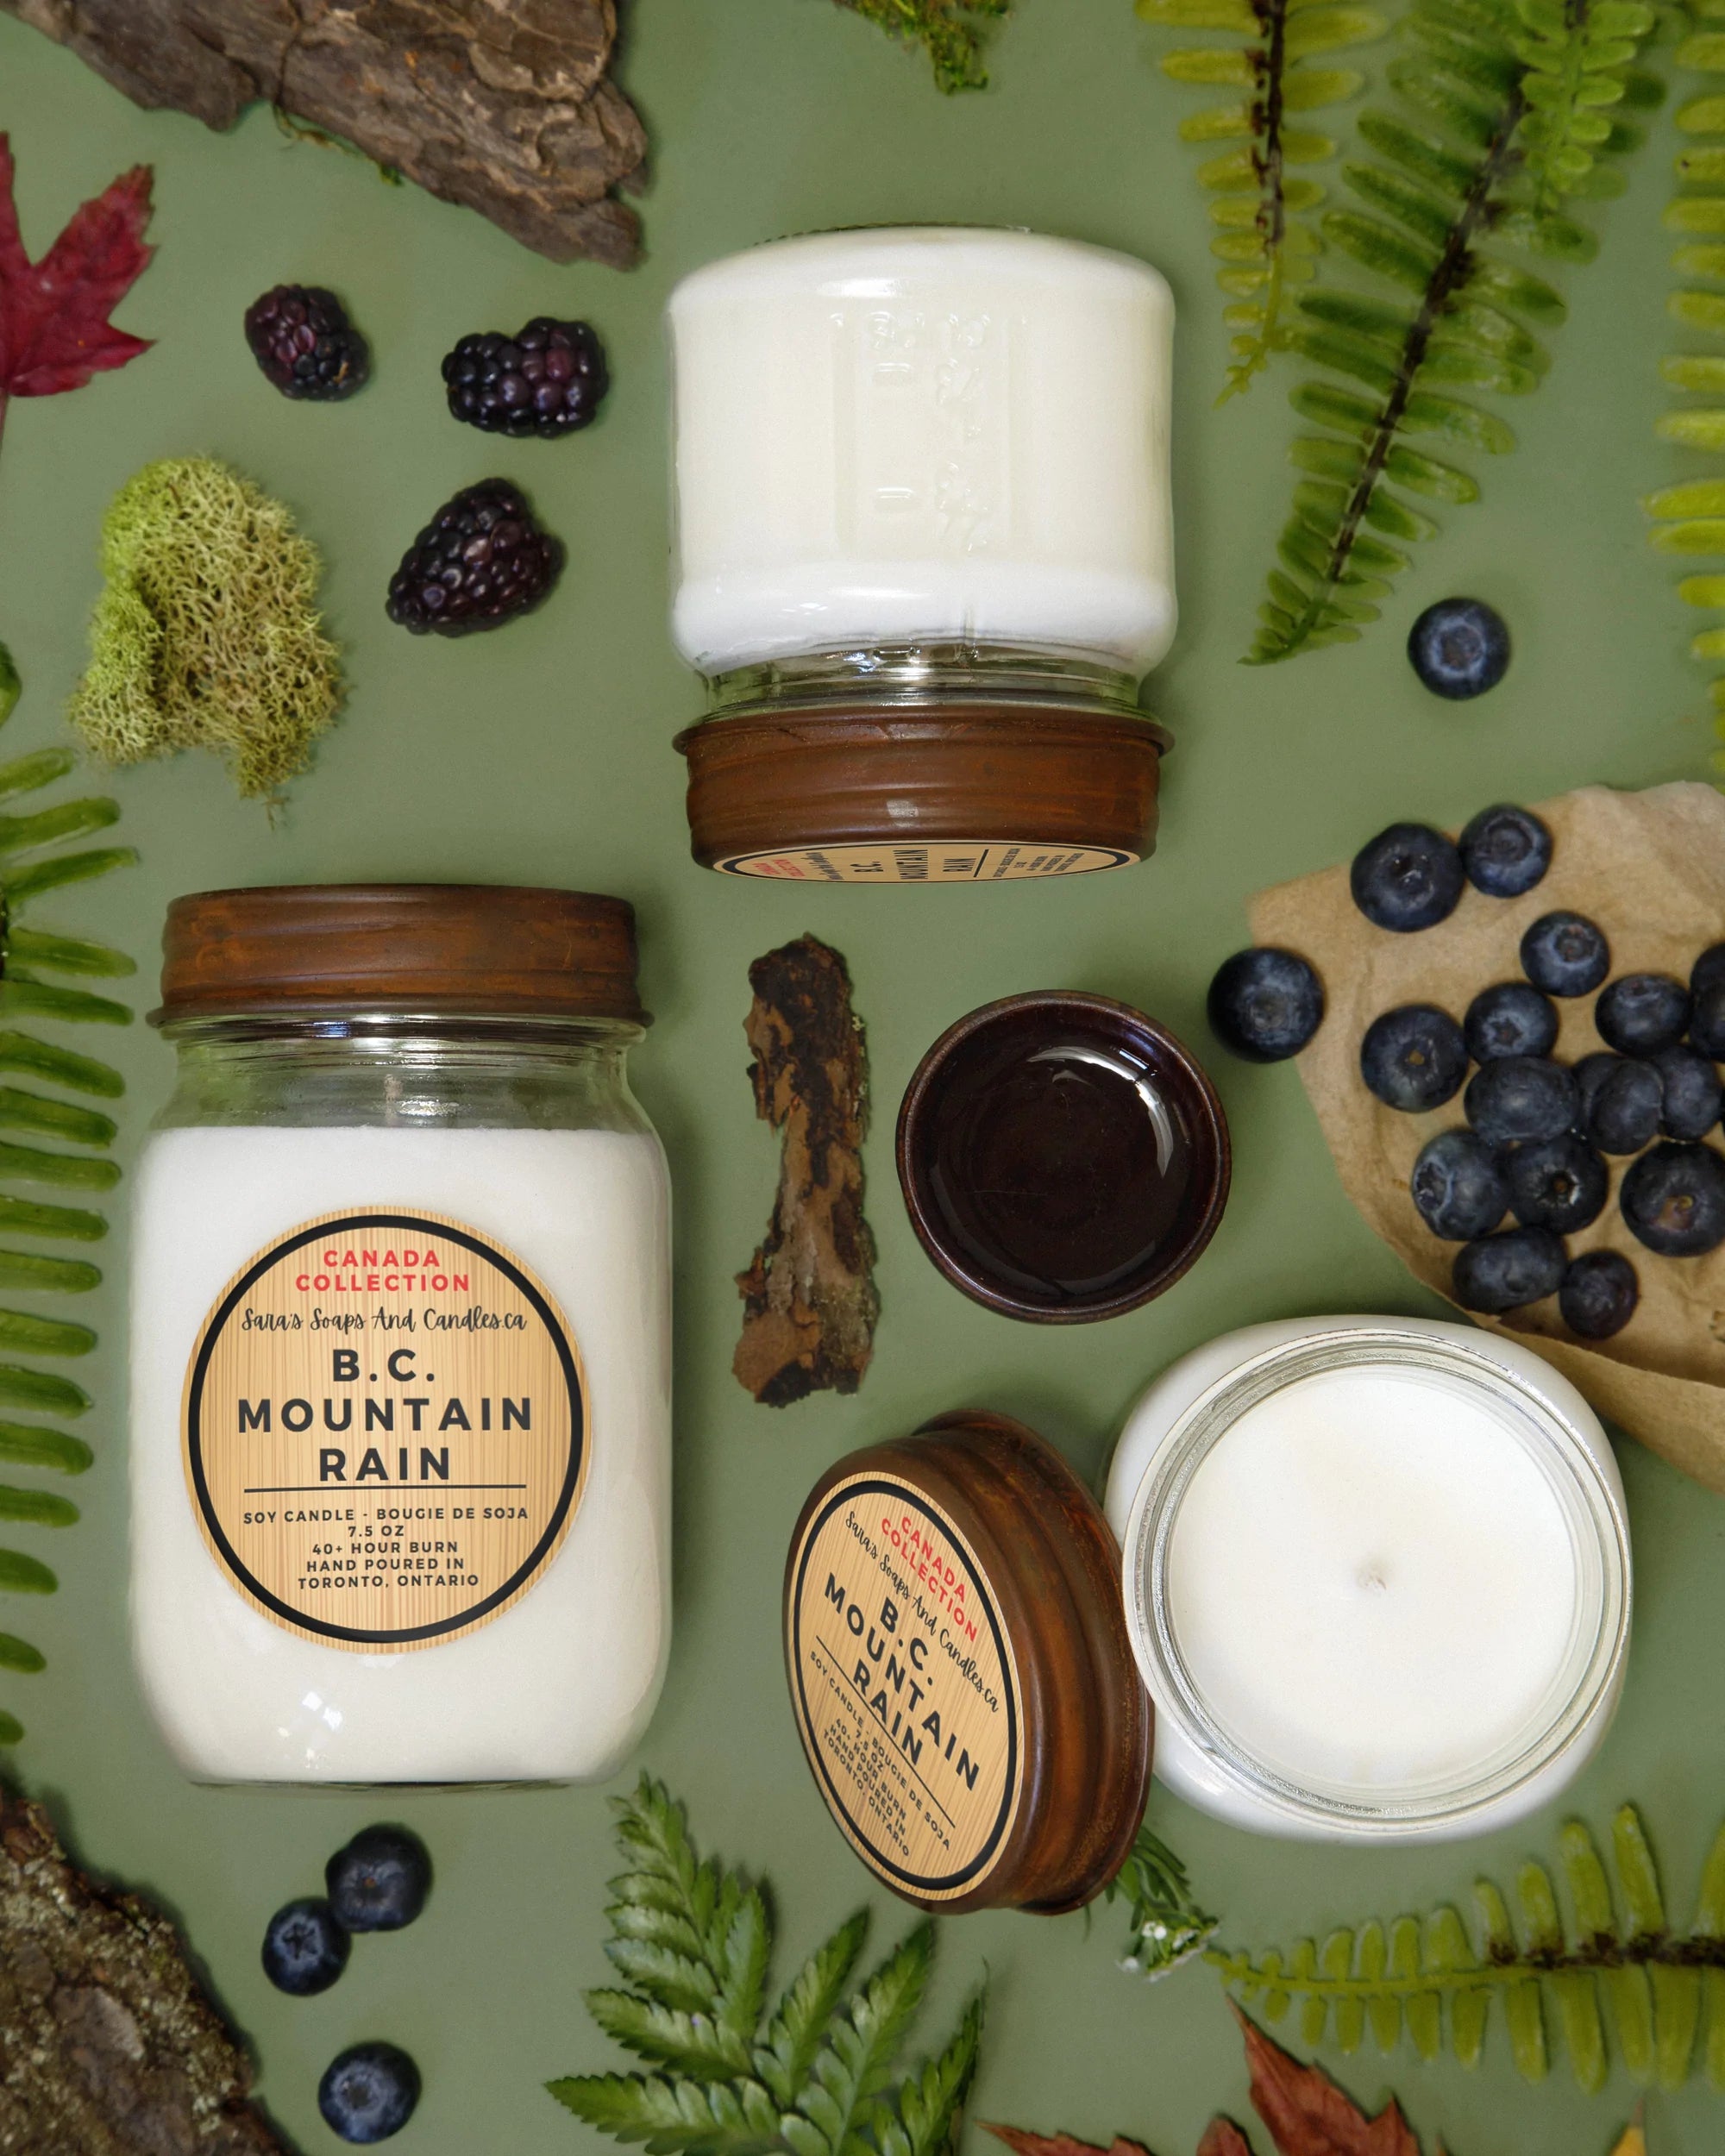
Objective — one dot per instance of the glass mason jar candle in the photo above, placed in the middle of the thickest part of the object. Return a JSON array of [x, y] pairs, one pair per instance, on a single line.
[[1376, 1576], [923, 552], [400, 1342]]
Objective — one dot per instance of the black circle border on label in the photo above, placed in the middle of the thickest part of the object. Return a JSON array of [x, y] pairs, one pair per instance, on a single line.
[[214, 1326], [951, 1882]]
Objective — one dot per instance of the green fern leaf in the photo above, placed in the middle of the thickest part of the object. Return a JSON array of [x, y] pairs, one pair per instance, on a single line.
[[1604, 1982], [696, 1942], [799, 2027], [1680, 525], [1505, 112], [1265, 241]]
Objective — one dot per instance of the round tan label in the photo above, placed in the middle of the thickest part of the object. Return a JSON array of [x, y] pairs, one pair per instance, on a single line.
[[905, 1690], [385, 1429], [942, 860]]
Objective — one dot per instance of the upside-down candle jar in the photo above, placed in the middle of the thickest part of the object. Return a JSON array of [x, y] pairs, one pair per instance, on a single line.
[[960, 1671], [1377, 1576], [401, 1340], [923, 553]]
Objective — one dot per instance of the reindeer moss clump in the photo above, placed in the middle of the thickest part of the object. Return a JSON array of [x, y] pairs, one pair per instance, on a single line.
[[207, 634]]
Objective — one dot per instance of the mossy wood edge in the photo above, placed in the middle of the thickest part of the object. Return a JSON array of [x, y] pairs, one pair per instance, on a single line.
[[814, 2077], [1507, 109], [34, 861], [1657, 1993]]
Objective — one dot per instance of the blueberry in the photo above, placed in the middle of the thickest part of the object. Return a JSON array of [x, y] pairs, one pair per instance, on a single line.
[[1709, 970], [1459, 648], [1590, 1074], [1558, 1183], [368, 2092], [1693, 1095], [1502, 1272], [1707, 1019], [304, 1948], [1408, 877], [1265, 1004], [1626, 1106], [1413, 1057], [1510, 1019], [380, 1881], [1598, 1294], [1566, 954], [1505, 850], [1458, 1186], [1673, 1199], [1518, 1098], [1642, 1012]]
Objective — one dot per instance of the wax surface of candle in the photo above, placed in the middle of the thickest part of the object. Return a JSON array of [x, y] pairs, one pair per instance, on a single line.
[[558, 1687], [1371, 1584], [922, 434]]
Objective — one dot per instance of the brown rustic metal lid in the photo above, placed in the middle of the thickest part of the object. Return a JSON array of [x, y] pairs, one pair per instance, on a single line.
[[960, 1669], [961, 791], [455, 949]]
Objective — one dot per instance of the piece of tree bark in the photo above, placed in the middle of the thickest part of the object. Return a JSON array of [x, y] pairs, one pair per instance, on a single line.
[[809, 1298], [108, 2046], [505, 105]]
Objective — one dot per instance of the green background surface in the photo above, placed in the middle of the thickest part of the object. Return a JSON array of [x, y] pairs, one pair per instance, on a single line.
[[542, 755]]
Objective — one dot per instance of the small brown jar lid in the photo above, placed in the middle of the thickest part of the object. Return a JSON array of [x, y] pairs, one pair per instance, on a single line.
[[964, 792], [960, 1670], [441, 949]]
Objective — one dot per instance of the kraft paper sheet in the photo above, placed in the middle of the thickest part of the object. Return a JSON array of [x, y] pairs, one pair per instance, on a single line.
[[1650, 870]]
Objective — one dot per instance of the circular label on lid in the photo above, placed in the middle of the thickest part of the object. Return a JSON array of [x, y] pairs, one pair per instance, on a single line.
[[904, 1686], [384, 1430], [930, 860]]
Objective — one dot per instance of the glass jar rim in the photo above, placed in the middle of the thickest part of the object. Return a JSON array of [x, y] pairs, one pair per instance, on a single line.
[[1593, 1513], [373, 1026]]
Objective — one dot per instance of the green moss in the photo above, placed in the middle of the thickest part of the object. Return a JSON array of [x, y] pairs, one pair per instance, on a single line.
[[207, 633]]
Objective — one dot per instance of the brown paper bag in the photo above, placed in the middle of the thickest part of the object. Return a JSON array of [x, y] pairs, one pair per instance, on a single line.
[[1650, 870]]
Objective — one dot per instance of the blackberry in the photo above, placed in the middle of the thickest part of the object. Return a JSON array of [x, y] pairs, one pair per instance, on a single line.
[[480, 561], [301, 337], [549, 379]]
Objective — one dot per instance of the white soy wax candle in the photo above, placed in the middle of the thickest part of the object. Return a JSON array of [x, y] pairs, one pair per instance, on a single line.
[[1377, 1572], [940, 436], [401, 1342]]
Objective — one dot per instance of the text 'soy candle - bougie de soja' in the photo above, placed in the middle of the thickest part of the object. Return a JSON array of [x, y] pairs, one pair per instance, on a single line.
[[400, 1342], [923, 553], [1376, 1574]]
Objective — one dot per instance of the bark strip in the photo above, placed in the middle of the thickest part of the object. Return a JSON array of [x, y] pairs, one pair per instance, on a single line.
[[809, 1299], [109, 2044], [504, 105]]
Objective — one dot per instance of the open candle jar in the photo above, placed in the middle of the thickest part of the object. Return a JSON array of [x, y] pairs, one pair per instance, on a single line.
[[925, 554], [1376, 1578]]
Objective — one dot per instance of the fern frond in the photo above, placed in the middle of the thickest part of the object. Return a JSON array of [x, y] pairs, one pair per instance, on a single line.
[[1687, 517], [1614, 1975], [1504, 112], [695, 1941], [798, 2030], [1168, 1925], [1266, 242], [30, 866]]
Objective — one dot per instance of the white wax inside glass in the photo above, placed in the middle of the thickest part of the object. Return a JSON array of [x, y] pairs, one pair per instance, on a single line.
[[558, 1686], [922, 434], [1371, 1582]]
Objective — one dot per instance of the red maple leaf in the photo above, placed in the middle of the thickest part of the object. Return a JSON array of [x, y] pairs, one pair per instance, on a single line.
[[54, 330], [1305, 2112]]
